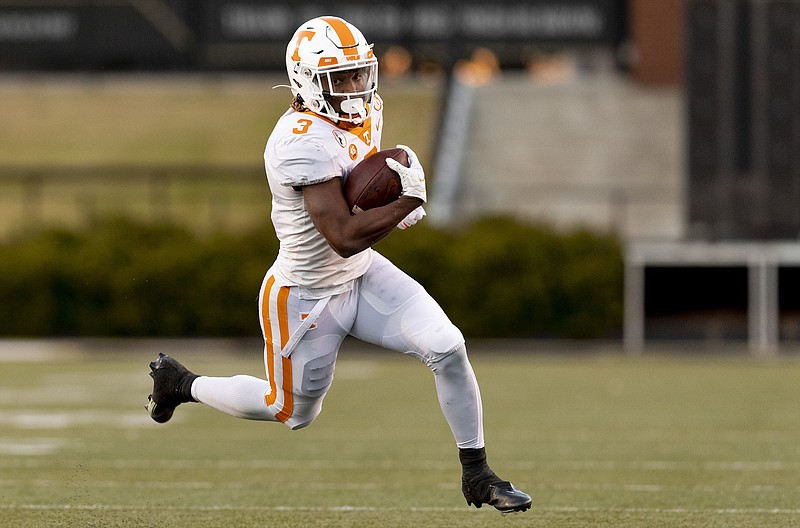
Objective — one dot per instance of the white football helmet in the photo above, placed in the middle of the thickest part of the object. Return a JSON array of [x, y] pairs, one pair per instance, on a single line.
[[321, 48]]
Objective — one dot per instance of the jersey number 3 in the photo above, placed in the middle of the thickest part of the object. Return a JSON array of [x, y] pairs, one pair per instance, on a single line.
[[302, 126]]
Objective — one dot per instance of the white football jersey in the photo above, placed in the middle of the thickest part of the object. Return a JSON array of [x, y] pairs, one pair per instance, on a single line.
[[305, 149]]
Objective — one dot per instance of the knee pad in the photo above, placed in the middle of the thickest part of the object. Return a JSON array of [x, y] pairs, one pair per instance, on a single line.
[[305, 416], [308, 404], [440, 341], [444, 339]]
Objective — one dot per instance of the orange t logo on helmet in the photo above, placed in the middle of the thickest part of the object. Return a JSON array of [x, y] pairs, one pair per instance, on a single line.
[[300, 36]]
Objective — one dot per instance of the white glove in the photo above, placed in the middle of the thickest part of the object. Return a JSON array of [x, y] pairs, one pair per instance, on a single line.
[[413, 217], [411, 178]]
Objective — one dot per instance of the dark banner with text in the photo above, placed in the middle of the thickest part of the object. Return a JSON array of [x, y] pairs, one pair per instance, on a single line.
[[252, 35]]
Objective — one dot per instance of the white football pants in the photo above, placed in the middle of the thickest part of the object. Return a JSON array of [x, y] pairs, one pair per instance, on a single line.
[[386, 308]]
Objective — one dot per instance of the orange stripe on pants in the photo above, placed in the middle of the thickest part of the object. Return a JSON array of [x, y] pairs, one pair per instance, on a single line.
[[286, 364], [267, 325]]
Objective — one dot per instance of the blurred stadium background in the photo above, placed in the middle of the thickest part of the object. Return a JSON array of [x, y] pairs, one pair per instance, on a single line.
[[671, 125], [615, 176]]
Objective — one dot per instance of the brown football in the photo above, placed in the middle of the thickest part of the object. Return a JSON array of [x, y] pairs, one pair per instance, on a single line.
[[372, 183]]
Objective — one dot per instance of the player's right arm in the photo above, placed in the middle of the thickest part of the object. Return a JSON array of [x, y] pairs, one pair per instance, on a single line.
[[350, 234], [299, 157]]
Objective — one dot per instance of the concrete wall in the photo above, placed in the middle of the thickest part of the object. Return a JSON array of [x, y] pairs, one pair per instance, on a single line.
[[598, 151]]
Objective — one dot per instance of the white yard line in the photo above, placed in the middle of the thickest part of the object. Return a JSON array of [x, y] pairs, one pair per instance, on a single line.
[[348, 508], [360, 486], [336, 465], [195, 484]]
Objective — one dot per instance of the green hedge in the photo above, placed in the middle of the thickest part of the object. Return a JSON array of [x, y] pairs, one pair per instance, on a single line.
[[118, 277]]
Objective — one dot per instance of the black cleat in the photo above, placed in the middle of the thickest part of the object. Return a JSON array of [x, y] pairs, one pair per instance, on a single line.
[[481, 486], [172, 385], [492, 490]]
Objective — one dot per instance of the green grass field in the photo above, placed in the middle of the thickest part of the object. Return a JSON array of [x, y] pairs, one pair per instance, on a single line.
[[597, 439]]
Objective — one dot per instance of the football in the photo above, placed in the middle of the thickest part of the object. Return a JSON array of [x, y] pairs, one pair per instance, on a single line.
[[372, 183]]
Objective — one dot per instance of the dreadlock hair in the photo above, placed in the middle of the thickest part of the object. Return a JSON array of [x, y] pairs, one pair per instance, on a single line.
[[298, 105]]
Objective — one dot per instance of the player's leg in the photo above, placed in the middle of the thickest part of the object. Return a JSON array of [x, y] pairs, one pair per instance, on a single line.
[[241, 396], [397, 313], [299, 384], [295, 386], [275, 399]]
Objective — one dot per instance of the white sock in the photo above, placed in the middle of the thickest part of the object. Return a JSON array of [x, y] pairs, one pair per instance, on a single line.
[[240, 396]]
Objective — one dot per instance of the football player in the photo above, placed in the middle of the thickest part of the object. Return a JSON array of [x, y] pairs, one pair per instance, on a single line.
[[327, 282]]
